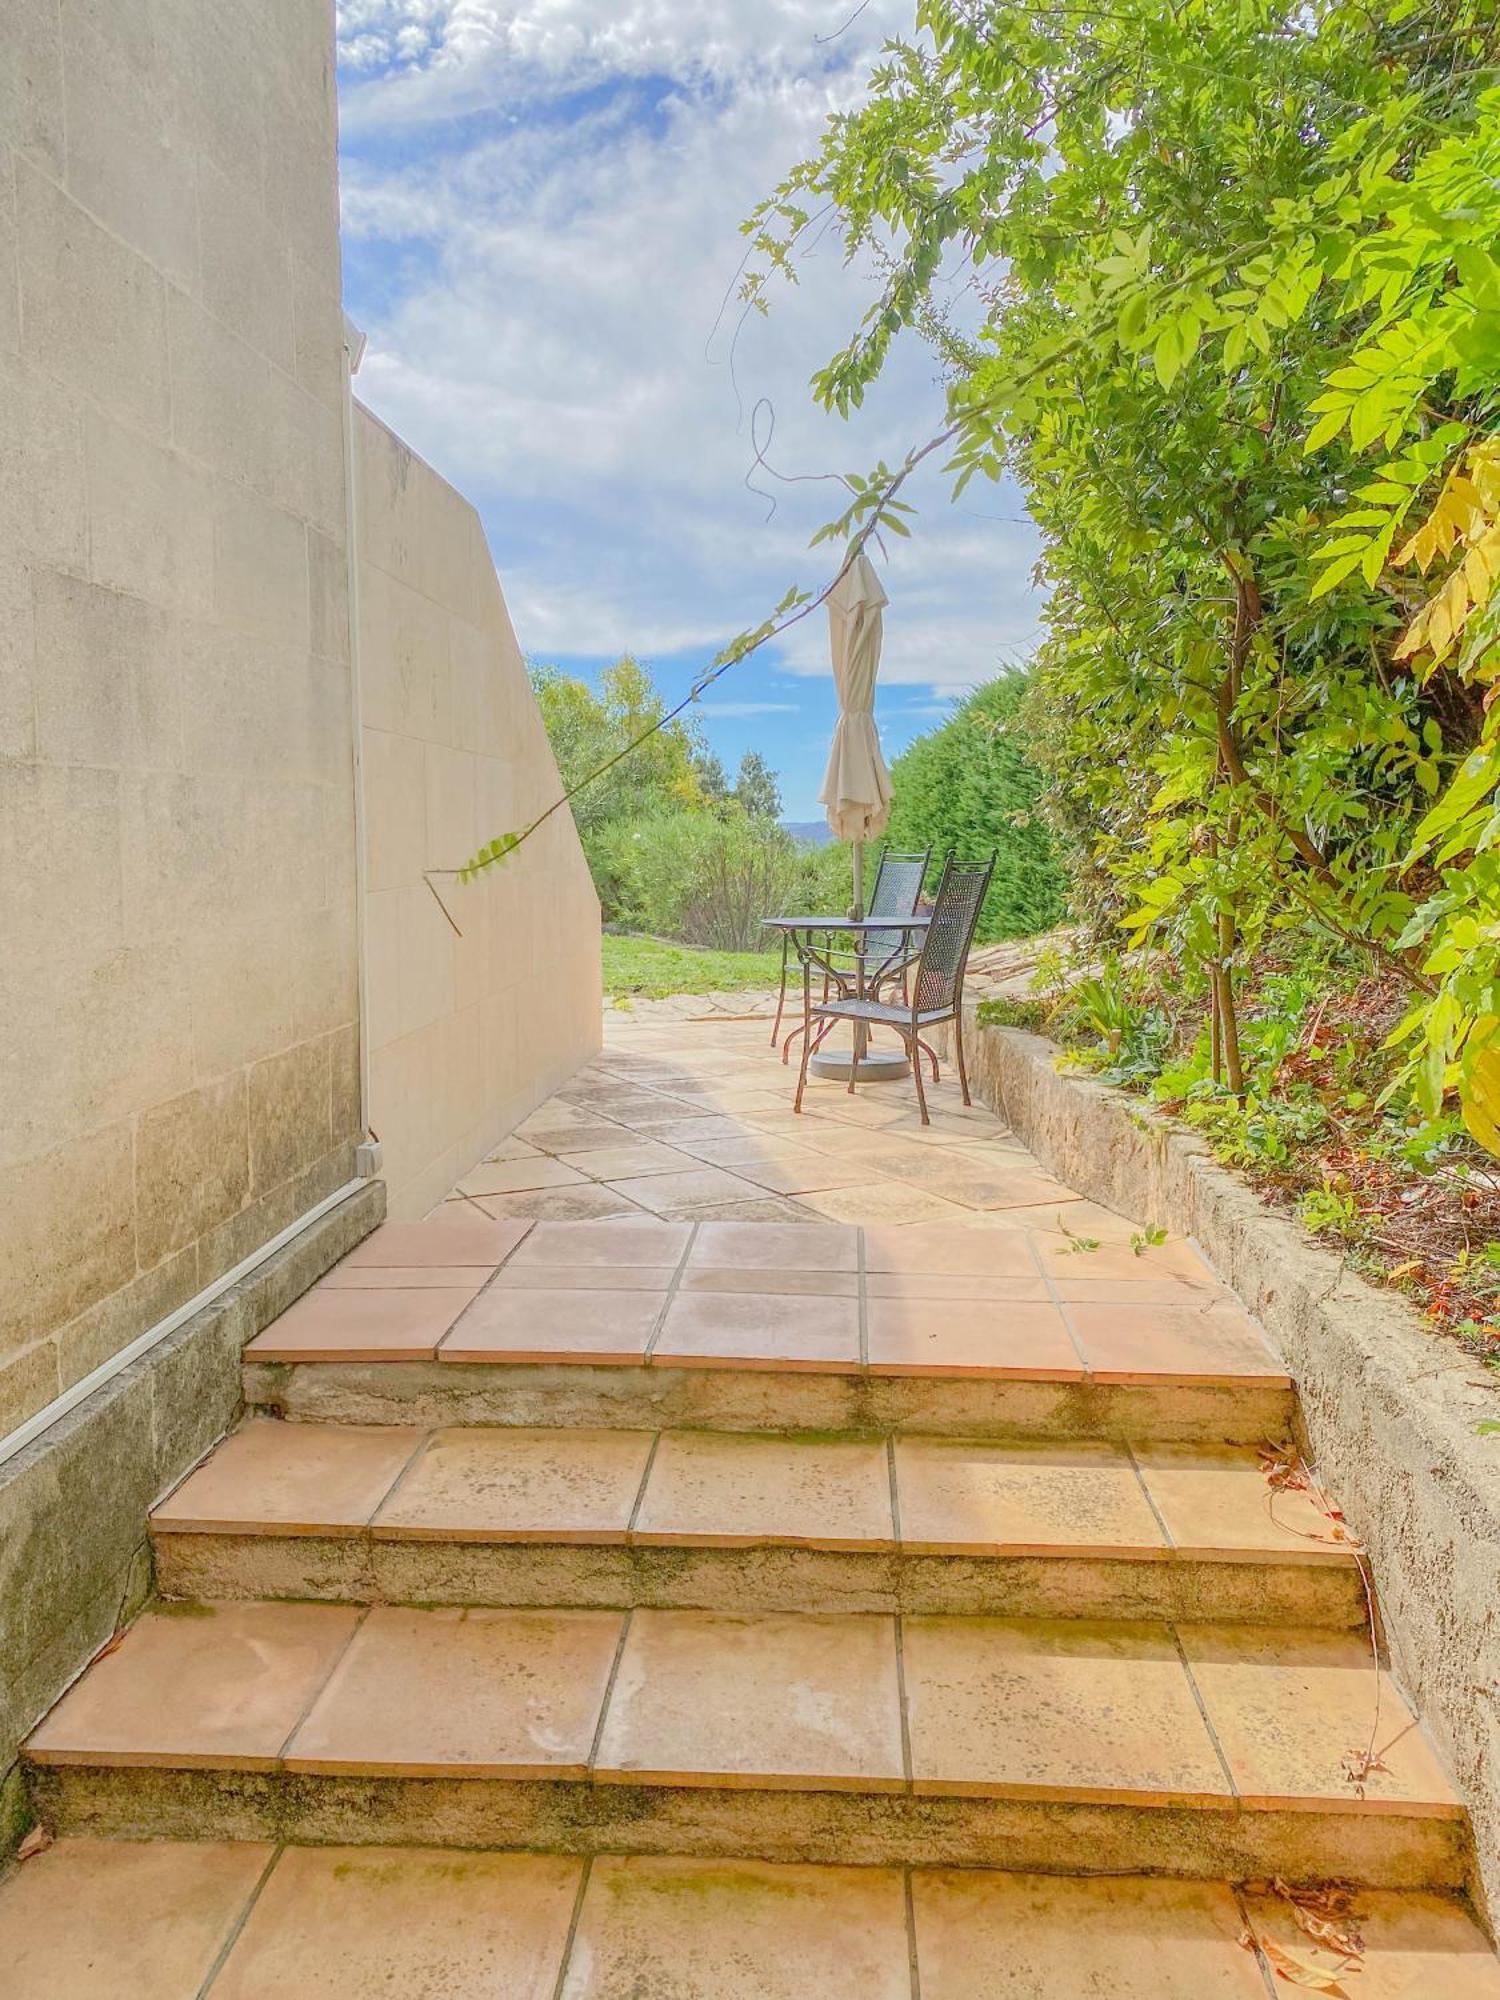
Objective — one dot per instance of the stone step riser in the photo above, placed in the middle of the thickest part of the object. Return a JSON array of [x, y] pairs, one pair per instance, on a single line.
[[360, 1569], [1389, 1848], [767, 1399]]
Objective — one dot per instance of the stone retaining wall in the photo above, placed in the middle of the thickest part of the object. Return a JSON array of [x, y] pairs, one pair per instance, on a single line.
[[1391, 1411]]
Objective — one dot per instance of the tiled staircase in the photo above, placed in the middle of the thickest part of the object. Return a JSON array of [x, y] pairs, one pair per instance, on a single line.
[[744, 1610]]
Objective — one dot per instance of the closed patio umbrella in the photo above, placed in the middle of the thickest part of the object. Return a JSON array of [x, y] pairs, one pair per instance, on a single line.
[[857, 786]]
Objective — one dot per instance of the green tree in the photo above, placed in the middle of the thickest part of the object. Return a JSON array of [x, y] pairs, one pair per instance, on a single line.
[[1184, 226], [586, 729], [970, 786], [755, 789]]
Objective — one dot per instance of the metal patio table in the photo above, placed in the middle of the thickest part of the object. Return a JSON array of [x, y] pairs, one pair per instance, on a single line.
[[812, 940]]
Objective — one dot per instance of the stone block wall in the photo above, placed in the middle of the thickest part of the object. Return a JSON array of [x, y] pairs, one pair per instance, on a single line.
[[469, 1028], [178, 981]]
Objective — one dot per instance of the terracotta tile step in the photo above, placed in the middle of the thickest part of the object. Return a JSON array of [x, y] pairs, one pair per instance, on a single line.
[[753, 1522], [1064, 1744], [135, 1920]]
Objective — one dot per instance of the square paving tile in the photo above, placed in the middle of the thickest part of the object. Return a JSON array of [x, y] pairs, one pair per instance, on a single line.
[[998, 1292], [582, 1278], [695, 1187], [613, 1163], [382, 1325], [123, 1919], [1085, 1711], [759, 1330], [1417, 1947], [345, 1923], [448, 1692], [889, 1202], [720, 1490], [464, 1238], [705, 1698], [1292, 1709], [981, 1936], [203, 1685], [636, 1241], [584, 1201], [798, 1170], [577, 1325], [740, 1930], [794, 1246], [1113, 1258], [520, 1485], [535, 1170], [950, 1251], [982, 1498], [1215, 1496], [1131, 1343], [277, 1478], [791, 1284], [970, 1337]]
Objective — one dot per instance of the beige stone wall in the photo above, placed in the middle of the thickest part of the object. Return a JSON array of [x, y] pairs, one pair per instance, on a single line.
[[178, 1051], [467, 1033]]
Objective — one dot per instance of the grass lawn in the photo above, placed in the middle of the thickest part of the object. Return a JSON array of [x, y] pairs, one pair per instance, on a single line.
[[653, 968]]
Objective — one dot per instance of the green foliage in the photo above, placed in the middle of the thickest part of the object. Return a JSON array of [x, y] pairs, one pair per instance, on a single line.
[[710, 878], [1241, 329], [755, 789], [970, 785], [585, 729]]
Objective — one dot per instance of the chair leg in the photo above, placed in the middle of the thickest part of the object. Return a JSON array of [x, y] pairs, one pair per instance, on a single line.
[[914, 1050], [958, 1050], [807, 1041], [931, 1057]]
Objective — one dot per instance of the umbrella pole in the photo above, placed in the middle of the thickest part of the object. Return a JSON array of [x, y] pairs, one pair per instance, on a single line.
[[861, 1038]]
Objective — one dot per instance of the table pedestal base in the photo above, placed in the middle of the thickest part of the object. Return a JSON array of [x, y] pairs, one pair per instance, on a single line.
[[874, 1066]]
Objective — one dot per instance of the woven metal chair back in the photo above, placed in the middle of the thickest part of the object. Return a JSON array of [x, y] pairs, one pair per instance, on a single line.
[[897, 891], [955, 914]]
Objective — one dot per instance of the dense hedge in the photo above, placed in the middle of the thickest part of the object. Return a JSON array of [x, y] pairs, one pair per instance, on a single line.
[[970, 786]]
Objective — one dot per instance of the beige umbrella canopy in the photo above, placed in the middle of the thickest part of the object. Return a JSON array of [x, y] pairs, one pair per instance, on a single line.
[[856, 786]]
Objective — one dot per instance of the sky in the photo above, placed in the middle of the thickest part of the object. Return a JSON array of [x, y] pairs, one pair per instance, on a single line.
[[542, 201]]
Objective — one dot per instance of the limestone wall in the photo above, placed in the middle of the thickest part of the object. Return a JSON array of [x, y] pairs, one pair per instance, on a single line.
[[178, 989], [467, 1032]]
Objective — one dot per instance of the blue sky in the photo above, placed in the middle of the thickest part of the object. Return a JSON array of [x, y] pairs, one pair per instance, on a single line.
[[542, 202]]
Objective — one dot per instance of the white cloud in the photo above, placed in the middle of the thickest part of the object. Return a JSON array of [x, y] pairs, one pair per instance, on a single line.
[[542, 207], [742, 710]]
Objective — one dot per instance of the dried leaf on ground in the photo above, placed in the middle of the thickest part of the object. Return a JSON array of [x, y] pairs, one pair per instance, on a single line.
[[1300, 1970], [36, 1842]]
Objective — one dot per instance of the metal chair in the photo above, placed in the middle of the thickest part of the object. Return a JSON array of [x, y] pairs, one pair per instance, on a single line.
[[937, 988], [896, 893]]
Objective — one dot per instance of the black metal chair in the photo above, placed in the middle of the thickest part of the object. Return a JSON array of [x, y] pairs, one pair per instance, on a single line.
[[937, 982], [896, 893]]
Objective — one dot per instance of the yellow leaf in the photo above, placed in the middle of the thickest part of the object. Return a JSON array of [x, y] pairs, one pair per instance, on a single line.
[[1306, 1972], [1479, 1097]]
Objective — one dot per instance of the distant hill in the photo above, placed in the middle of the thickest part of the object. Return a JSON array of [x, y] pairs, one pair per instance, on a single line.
[[812, 832]]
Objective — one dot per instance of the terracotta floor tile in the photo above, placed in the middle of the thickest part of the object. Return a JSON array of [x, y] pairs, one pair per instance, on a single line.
[[881, 1202], [969, 1337], [613, 1163], [520, 1485], [513, 1149], [754, 1329], [536, 1170], [794, 1284], [1073, 1285], [1135, 1343], [203, 1685], [123, 1919], [721, 1489], [1088, 1711], [346, 1923], [575, 1325], [983, 1936], [459, 1239], [682, 1123], [1416, 1947], [582, 1278], [555, 1137], [740, 1930], [798, 1170], [348, 1277], [1214, 1496], [291, 1479], [705, 1697], [998, 1292], [964, 1179], [981, 1498], [638, 1240], [737, 1246], [448, 1692], [695, 1187], [1114, 1258], [951, 1252], [381, 1325], [1290, 1709]]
